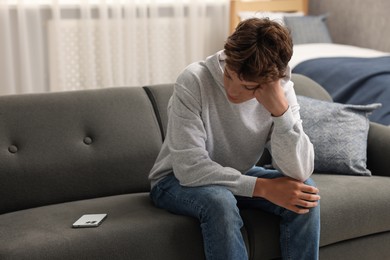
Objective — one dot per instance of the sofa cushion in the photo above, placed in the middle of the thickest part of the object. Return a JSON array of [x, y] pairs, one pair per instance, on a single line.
[[352, 206], [338, 133], [367, 248], [58, 147], [133, 229]]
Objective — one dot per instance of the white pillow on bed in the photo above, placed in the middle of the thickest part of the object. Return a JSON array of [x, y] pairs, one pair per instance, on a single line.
[[274, 16]]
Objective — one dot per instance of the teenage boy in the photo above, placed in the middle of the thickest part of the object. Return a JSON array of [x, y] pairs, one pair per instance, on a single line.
[[223, 113]]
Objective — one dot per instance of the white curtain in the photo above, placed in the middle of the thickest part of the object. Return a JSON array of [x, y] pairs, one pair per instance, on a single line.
[[58, 45]]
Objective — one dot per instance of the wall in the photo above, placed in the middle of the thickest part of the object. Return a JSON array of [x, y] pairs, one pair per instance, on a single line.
[[364, 23]]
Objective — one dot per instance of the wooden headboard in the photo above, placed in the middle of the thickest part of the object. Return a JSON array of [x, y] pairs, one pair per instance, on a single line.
[[237, 6]]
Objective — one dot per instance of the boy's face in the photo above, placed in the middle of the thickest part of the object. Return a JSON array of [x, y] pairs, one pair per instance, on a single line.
[[237, 90]]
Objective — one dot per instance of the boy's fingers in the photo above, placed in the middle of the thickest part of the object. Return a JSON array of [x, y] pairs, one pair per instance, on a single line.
[[310, 197], [310, 189]]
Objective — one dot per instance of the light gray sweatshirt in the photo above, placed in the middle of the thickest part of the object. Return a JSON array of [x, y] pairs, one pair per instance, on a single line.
[[213, 141]]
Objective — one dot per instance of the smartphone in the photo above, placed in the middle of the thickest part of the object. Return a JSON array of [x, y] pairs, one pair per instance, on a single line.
[[89, 220]]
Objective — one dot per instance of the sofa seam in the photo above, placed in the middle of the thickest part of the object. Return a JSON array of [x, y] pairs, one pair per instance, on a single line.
[[153, 101]]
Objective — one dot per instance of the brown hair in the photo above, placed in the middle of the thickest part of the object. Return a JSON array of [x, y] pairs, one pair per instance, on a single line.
[[259, 50]]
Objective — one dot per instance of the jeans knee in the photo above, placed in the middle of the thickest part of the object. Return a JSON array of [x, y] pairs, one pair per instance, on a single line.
[[221, 205], [310, 182], [220, 199], [313, 184]]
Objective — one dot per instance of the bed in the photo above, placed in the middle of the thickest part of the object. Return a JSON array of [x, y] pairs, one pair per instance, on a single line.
[[351, 74]]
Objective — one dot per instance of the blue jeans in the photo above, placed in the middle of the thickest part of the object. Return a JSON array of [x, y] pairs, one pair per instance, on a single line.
[[217, 209]]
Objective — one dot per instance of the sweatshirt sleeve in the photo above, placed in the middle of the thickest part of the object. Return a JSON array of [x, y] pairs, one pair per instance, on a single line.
[[186, 139], [291, 149]]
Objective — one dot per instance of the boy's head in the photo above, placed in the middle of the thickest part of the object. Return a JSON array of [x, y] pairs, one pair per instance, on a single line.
[[259, 50]]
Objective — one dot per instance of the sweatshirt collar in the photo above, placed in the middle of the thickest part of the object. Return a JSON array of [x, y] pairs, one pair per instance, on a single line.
[[216, 64]]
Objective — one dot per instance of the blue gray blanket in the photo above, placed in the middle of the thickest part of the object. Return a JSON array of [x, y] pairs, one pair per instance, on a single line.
[[357, 81]]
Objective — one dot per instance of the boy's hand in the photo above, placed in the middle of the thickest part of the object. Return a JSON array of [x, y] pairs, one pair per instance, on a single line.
[[288, 193], [271, 96]]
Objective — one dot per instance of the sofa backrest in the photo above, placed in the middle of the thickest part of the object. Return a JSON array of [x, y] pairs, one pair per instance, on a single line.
[[305, 86], [159, 96], [65, 146], [58, 147]]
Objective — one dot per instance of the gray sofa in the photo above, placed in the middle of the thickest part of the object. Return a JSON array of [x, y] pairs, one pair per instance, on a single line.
[[66, 154]]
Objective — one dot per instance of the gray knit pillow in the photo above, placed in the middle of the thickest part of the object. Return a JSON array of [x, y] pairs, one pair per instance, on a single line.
[[308, 29], [338, 133]]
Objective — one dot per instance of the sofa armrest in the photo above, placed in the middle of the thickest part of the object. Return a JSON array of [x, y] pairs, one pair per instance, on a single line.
[[378, 149]]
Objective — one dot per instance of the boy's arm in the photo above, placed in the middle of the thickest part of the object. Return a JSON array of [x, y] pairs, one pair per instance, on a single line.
[[290, 147]]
